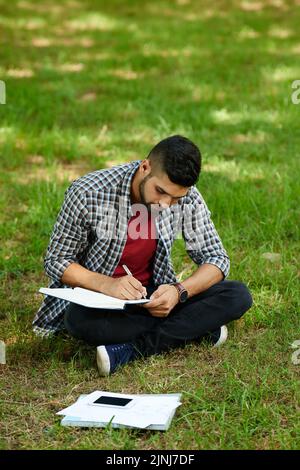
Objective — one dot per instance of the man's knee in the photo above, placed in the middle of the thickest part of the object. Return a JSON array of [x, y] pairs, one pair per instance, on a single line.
[[241, 298], [71, 321]]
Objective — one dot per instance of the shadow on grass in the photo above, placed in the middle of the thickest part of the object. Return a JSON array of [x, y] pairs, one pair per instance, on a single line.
[[59, 349]]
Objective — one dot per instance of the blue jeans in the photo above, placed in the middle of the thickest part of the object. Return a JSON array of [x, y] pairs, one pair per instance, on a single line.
[[192, 320]]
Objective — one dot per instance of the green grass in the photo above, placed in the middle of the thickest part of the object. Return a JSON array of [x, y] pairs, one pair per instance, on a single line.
[[91, 84]]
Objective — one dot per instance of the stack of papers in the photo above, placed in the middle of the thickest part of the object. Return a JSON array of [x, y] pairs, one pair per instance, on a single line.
[[144, 411], [89, 298]]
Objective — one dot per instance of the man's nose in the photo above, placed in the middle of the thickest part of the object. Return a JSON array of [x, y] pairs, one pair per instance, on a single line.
[[165, 202]]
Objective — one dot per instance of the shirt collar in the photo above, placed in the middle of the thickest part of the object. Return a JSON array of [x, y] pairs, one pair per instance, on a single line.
[[125, 188]]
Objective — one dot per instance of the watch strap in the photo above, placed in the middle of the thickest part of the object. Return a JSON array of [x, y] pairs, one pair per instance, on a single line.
[[180, 288]]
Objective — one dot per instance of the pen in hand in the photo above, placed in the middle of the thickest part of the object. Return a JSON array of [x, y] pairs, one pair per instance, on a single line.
[[128, 272]]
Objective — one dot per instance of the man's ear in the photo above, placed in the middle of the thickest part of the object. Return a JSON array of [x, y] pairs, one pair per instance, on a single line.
[[145, 167]]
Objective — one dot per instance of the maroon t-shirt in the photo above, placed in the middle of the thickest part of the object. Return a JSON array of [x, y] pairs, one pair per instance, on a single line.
[[139, 250]]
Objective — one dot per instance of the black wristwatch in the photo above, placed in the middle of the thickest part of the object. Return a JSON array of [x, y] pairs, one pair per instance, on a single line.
[[182, 292]]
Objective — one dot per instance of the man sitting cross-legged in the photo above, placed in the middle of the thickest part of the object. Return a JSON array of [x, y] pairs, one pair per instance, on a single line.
[[130, 215]]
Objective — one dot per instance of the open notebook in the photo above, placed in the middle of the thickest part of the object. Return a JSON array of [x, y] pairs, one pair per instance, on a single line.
[[89, 298]]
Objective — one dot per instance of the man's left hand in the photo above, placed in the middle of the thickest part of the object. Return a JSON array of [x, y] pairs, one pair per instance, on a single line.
[[163, 300]]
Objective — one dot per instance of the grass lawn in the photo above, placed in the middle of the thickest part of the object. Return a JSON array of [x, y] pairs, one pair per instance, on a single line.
[[91, 84]]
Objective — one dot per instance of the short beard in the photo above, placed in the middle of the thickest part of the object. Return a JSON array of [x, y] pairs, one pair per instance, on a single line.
[[142, 192], [153, 209]]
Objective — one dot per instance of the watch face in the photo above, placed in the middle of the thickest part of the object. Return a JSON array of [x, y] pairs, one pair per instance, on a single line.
[[183, 296]]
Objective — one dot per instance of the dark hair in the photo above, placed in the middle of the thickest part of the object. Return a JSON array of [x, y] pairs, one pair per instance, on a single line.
[[179, 158]]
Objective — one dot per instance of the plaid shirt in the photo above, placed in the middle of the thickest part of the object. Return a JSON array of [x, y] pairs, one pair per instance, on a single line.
[[76, 236]]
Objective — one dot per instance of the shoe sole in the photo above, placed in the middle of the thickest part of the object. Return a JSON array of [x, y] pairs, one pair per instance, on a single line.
[[103, 361], [223, 337]]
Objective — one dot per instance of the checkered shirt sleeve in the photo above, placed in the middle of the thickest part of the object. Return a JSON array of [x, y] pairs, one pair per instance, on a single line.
[[202, 241], [69, 238]]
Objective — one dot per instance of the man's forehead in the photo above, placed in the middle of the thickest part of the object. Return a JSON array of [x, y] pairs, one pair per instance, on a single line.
[[162, 180]]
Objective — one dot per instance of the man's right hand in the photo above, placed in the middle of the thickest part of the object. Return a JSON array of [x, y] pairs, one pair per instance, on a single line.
[[125, 288]]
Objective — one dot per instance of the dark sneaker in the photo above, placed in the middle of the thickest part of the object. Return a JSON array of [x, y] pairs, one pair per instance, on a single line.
[[218, 336], [110, 357]]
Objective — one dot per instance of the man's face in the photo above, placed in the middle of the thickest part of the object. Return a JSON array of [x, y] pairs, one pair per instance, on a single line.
[[158, 189]]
